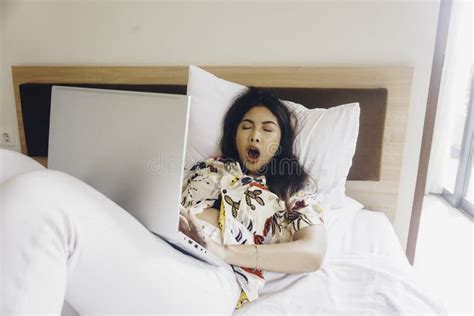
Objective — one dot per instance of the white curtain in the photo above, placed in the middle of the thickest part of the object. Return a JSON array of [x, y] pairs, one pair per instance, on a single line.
[[454, 85]]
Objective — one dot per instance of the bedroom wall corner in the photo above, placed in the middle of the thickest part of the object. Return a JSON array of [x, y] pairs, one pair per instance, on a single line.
[[8, 117], [414, 132]]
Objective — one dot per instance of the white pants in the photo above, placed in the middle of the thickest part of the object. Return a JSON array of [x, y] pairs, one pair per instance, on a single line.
[[63, 240]]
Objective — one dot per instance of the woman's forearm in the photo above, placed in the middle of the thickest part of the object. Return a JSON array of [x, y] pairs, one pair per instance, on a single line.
[[292, 257], [304, 254]]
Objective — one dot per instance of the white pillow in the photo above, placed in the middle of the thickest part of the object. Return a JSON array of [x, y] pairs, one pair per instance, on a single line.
[[325, 140]]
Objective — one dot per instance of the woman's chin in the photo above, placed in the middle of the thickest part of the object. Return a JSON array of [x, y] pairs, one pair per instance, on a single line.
[[250, 166], [253, 168]]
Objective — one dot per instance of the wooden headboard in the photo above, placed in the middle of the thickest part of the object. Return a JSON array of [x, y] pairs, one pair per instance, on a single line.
[[377, 163]]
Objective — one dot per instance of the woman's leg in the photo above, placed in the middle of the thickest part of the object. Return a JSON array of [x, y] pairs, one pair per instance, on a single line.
[[63, 239]]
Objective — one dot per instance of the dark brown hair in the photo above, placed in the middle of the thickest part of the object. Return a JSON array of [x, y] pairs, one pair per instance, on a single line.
[[283, 173]]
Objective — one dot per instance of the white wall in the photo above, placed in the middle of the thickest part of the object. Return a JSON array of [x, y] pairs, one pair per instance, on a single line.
[[378, 33], [9, 120], [2, 19]]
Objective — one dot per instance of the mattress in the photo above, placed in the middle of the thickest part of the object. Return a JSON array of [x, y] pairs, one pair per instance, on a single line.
[[365, 271]]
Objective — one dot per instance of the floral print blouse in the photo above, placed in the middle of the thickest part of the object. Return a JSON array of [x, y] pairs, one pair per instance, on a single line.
[[249, 212]]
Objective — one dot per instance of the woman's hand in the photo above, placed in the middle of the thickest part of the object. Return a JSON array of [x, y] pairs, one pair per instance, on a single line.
[[190, 226]]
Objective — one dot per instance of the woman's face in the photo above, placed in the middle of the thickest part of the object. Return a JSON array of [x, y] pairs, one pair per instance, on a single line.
[[258, 138]]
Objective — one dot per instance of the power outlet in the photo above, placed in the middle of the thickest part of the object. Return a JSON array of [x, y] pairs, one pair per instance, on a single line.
[[6, 137]]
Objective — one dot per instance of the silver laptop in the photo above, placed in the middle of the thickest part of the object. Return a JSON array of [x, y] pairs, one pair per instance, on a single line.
[[130, 146]]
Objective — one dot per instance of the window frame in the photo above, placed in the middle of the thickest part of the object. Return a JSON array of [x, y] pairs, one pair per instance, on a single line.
[[457, 198]]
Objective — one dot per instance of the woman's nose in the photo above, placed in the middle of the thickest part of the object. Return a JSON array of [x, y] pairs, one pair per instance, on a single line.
[[255, 137]]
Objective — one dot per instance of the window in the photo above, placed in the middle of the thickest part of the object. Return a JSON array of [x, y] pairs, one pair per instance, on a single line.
[[458, 187]]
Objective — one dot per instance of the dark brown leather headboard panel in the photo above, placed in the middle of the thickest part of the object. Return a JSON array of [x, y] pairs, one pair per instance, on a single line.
[[373, 104], [36, 99]]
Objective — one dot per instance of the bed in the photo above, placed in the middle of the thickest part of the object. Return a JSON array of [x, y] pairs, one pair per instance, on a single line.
[[365, 270]]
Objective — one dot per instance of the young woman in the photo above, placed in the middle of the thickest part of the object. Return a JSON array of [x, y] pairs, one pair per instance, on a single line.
[[254, 207], [63, 240]]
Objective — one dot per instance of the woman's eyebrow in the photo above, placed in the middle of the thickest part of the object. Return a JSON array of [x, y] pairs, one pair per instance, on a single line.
[[264, 122]]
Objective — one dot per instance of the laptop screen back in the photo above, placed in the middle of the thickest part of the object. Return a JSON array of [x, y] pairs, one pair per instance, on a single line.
[[128, 145]]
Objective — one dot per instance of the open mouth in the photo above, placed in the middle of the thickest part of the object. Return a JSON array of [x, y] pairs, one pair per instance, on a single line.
[[252, 154]]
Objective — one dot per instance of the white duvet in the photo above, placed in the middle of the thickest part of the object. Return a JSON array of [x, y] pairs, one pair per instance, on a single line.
[[365, 271]]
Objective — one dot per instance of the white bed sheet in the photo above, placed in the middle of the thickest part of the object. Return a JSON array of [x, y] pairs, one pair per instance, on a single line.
[[365, 271]]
